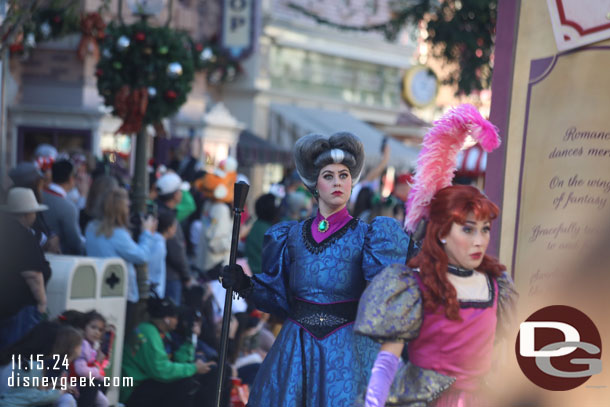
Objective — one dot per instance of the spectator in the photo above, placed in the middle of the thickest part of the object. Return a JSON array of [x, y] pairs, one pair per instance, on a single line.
[[44, 157], [253, 345], [372, 178], [93, 326], [166, 229], [186, 348], [267, 214], [109, 237], [157, 381], [200, 298], [52, 345], [363, 208], [25, 271], [176, 262], [27, 175], [398, 211], [297, 206], [62, 216], [187, 205], [188, 168], [291, 183], [402, 186], [82, 181], [214, 246], [93, 207], [192, 225]]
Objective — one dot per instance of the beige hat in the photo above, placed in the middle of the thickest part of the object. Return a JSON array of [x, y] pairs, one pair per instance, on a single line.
[[22, 200]]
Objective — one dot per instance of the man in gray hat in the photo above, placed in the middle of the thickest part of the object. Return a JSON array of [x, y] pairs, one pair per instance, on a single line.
[[28, 175], [25, 271]]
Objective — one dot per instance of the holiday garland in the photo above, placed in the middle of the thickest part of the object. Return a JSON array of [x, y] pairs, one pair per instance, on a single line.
[[460, 32], [390, 29], [46, 24]]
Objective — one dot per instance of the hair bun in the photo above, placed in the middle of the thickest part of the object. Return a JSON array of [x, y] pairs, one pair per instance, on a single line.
[[314, 151]]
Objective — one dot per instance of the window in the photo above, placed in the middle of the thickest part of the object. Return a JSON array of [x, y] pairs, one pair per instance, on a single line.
[[65, 140]]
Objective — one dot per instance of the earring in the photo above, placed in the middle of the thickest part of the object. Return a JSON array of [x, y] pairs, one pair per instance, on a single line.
[[316, 193], [443, 241]]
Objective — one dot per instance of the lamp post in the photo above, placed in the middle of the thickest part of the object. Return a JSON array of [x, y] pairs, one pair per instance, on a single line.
[[4, 65], [139, 191]]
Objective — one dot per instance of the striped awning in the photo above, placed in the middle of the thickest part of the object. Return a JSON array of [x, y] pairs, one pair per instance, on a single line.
[[471, 162]]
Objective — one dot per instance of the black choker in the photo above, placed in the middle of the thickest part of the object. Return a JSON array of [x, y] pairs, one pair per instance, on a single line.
[[458, 271]]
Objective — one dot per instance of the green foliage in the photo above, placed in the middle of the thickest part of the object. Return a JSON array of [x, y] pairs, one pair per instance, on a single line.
[[63, 19], [463, 33], [56, 19], [145, 62]]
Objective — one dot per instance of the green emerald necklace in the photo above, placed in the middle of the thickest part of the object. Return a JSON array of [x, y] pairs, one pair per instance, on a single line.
[[323, 225]]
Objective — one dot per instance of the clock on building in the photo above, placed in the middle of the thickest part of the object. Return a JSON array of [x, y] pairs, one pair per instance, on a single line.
[[419, 86]]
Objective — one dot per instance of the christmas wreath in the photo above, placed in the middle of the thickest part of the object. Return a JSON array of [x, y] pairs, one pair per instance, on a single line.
[[144, 73]]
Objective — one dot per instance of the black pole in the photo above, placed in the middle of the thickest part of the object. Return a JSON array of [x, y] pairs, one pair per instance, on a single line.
[[139, 186], [239, 200], [384, 142]]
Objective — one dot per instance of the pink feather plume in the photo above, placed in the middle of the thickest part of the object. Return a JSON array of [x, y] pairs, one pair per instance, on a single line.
[[437, 159]]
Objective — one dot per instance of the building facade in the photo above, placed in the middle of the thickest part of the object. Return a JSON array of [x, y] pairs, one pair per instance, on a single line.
[[301, 77]]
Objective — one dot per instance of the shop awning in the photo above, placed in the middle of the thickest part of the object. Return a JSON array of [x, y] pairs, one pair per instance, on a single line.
[[252, 150], [471, 162], [288, 123]]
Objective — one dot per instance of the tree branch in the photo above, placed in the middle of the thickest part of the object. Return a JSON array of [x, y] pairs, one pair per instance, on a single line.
[[19, 13]]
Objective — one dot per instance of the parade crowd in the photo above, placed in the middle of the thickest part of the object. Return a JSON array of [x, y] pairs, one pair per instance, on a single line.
[[336, 305]]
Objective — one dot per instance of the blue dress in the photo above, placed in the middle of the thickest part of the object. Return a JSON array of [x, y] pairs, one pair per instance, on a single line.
[[302, 369]]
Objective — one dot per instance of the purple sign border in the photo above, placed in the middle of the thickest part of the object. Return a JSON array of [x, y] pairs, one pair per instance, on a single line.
[[502, 80], [539, 70]]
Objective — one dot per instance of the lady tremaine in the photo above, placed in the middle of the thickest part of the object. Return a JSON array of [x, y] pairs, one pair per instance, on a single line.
[[313, 272]]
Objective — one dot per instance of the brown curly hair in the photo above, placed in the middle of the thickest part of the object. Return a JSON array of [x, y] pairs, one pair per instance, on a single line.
[[450, 205]]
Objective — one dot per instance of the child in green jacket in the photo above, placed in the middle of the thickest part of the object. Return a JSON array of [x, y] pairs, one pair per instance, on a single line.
[[156, 379]]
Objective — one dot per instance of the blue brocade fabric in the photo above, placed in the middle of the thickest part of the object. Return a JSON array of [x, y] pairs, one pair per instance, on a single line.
[[301, 370]]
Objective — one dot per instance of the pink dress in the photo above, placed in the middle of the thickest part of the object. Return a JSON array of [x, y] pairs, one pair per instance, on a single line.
[[460, 349], [447, 359]]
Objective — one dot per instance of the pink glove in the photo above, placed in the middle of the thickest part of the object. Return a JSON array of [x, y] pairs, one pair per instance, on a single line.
[[382, 375]]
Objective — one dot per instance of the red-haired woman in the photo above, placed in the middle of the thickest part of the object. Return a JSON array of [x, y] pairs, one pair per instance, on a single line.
[[448, 305]]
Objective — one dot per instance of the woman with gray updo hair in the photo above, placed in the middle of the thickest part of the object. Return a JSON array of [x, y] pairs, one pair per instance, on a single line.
[[314, 151], [313, 273]]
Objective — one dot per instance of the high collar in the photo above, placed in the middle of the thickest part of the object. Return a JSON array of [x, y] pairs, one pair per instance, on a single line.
[[336, 221]]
